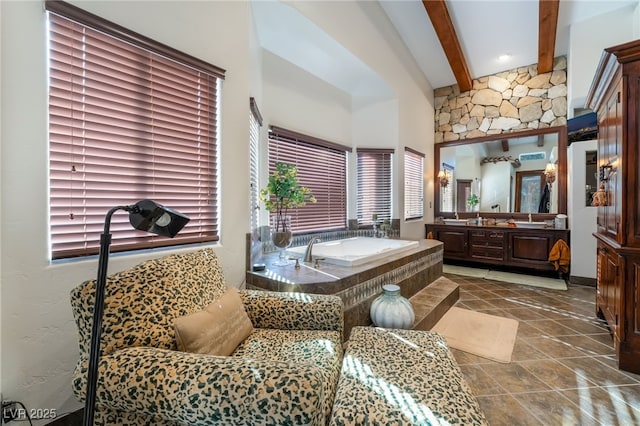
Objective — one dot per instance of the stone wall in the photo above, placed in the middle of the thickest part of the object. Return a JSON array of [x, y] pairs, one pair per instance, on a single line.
[[518, 99]]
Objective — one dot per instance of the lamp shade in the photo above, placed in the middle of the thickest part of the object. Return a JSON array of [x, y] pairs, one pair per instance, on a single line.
[[146, 215], [550, 172], [443, 176]]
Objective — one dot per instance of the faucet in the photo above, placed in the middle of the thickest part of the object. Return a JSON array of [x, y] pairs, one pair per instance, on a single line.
[[307, 254], [456, 215], [529, 217]]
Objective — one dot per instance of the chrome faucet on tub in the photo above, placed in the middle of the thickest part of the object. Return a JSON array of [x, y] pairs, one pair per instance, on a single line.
[[307, 254]]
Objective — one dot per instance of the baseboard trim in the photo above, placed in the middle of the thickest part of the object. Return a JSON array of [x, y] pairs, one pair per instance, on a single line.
[[71, 419], [591, 282]]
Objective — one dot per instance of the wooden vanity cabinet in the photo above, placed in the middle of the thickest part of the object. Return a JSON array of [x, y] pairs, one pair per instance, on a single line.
[[528, 249], [608, 291], [491, 245], [615, 96], [486, 244], [454, 239]]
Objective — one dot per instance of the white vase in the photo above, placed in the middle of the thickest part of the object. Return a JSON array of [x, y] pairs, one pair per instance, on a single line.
[[391, 310]]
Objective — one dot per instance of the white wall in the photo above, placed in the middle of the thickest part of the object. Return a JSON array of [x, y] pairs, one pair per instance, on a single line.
[[582, 218], [495, 186], [297, 100], [364, 29], [39, 338], [375, 125], [587, 39], [636, 21]]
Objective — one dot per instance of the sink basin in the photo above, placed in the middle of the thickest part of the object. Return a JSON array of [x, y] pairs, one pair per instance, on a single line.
[[535, 225], [455, 221]]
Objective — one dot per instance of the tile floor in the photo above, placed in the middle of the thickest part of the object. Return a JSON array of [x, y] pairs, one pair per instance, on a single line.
[[563, 369]]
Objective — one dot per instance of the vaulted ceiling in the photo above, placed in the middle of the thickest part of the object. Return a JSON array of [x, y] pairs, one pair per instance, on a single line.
[[454, 41], [480, 38], [445, 30]]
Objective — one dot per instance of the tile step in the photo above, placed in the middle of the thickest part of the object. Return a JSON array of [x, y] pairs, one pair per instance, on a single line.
[[433, 301]]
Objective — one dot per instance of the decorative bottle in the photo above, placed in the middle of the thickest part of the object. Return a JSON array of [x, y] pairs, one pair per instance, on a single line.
[[391, 310]]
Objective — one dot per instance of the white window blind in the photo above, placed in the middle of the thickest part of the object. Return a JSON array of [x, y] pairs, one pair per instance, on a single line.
[[413, 184], [374, 183], [129, 119]]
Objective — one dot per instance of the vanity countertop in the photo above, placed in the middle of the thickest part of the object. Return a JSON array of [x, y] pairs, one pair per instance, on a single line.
[[487, 223]]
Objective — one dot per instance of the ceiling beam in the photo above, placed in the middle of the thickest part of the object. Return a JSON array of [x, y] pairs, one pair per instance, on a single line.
[[547, 26], [441, 21]]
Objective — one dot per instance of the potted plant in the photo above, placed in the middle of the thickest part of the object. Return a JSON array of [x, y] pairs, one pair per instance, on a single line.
[[473, 201], [283, 192]]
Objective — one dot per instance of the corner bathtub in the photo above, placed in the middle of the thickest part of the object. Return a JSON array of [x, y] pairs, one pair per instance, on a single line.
[[357, 250]]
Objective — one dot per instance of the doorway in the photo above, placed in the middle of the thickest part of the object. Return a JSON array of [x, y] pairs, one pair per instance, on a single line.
[[463, 191], [529, 187]]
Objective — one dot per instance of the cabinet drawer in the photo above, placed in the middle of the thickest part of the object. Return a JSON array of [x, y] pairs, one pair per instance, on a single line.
[[480, 234], [483, 240], [487, 253], [491, 244]]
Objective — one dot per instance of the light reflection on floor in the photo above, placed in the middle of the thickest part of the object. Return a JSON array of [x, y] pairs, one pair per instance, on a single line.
[[562, 349], [418, 412]]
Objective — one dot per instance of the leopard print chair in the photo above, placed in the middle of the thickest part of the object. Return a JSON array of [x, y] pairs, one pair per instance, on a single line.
[[284, 373]]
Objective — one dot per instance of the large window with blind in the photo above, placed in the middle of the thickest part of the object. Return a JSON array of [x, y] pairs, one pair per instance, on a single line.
[[413, 184], [322, 167], [374, 182], [129, 119]]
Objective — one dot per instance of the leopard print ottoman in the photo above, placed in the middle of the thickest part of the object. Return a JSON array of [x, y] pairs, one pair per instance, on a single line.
[[402, 377]]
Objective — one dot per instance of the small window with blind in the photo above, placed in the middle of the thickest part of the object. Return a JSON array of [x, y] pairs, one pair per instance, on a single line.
[[129, 119], [322, 167], [374, 182], [413, 184], [255, 122]]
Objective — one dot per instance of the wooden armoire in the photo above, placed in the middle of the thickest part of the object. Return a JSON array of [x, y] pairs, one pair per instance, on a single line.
[[615, 96]]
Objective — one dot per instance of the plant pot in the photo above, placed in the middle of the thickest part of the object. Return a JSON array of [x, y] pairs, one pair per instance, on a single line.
[[281, 237]]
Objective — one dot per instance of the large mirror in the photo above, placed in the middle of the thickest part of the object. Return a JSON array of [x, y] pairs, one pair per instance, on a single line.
[[509, 174]]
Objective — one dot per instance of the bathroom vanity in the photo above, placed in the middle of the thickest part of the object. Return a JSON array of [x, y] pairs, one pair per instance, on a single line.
[[520, 177], [520, 247]]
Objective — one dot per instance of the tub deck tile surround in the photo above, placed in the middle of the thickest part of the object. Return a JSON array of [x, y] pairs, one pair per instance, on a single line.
[[432, 302], [357, 286]]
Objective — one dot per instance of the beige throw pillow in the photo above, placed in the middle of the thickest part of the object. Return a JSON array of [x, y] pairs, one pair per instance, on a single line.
[[216, 330]]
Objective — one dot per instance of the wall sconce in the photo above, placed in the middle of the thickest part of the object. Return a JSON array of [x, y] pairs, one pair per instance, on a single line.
[[550, 172], [606, 170], [444, 176]]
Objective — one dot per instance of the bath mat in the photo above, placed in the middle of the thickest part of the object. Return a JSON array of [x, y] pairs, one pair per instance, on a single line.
[[463, 270], [508, 277], [536, 281], [487, 336]]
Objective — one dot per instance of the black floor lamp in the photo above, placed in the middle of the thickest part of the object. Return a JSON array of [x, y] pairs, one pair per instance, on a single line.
[[147, 216]]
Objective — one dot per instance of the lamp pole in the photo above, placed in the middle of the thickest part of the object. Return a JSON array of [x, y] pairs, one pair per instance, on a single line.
[[147, 216], [98, 308]]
